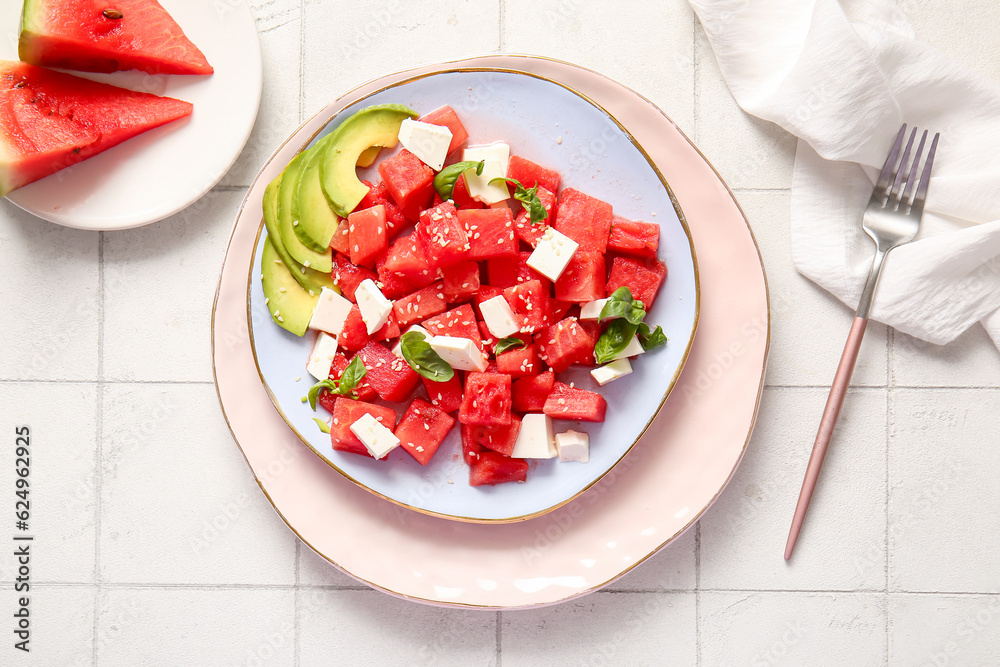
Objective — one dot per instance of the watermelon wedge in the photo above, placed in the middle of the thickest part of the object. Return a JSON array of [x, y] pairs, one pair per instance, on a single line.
[[50, 120], [107, 36]]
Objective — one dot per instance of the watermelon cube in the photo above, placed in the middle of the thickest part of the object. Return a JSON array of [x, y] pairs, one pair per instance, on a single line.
[[420, 305], [459, 322], [528, 394], [563, 344], [341, 240], [486, 400], [530, 174], [633, 237], [558, 310], [521, 362], [362, 390], [354, 335], [347, 276], [389, 330], [584, 219], [567, 402], [461, 282], [490, 232], [347, 411], [491, 468], [422, 429], [507, 272], [463, 200], [410, 182], [500, 439], [390, 377], [593, 330], [470, 444], [443, 237], [406, 258], [530, 302], [643, 277], [446, 117], [583, 278], [530, 232], [395, 221], [367, 235], [445, 395]]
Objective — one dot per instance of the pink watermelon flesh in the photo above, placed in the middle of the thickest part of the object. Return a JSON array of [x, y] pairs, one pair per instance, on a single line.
[[50, 120], [83, 35]]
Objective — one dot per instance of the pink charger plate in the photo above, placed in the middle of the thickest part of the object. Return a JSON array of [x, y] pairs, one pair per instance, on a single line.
[[660, 489]]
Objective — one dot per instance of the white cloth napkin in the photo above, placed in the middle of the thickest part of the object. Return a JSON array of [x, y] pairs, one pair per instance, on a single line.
[[843, 76]]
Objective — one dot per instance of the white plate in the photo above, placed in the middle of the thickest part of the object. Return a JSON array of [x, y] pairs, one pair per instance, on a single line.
[[158, 173]]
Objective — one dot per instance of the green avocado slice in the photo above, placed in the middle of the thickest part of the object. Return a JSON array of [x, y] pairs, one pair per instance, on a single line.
[[309, 279], [291, 307], [316, 220], [301, 253]]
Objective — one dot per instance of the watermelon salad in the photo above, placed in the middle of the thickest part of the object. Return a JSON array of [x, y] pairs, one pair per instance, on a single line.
[[464, 282]]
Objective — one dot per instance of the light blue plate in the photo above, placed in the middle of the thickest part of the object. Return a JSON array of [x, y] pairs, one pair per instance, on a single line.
[[549, 124]]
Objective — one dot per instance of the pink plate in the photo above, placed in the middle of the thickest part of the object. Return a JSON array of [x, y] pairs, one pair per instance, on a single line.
[[671, 476]]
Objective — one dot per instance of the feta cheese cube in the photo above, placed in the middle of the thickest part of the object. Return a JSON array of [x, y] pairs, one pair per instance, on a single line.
[[374, 307], [573, 446], [398, 349], [376, 438], [428, 142], [323, 352], [330, 312], [633, 348], [481, 189], [498, 152], [534, 440], [608, 372], [460, 353], [499, 318], [592, 309], [552, 254]]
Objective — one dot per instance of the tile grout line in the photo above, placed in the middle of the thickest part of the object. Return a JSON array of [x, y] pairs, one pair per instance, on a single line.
[[499, 637], [697, 593], [890, 385], [296, 598], [694, 76], [296, 652], [99, 436], [503, 25], [302, 59]]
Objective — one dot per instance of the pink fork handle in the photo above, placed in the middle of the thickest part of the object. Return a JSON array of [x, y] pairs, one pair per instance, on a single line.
[[831, 412]]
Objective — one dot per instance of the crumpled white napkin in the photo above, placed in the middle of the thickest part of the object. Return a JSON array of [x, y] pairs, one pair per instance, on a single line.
[[843, 76]]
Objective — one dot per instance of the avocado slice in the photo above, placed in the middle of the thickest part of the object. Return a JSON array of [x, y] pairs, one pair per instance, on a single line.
[[368, 156], [372, 126], [300, 252], [291, 307], [316, 221], [309, 279]]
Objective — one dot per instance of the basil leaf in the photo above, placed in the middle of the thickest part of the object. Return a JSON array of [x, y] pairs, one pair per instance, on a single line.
[[349, 379], [423, 359], [509, 343], [528, 197], [323, 426], [621, 304], [328, 384], [614, 339], [445, 180], [651, 340]]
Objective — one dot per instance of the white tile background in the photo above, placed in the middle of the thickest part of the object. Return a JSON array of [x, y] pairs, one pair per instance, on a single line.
[[156, 548]]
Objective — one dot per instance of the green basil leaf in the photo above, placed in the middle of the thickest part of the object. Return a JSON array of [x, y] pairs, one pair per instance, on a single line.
[[621, 304], [352, 376], [328, 384], [323, 426], [509, 343], [423, 359], [614, 339], [528, 197], [445, 180], [651, 340]]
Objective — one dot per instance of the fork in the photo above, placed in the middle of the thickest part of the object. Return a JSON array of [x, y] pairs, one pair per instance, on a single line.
[[891, 219]]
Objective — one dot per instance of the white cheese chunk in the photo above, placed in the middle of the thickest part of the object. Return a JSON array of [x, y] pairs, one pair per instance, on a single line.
[[428, 142], [330, 312], [376, 438], [633, 348], [499, 318], [323, 352], [573, 446], [534, 440], [498, 152], [552, 254], [481, 189], [613, 371], [462, 354], [398, 349], [374, 307], [592, 309]]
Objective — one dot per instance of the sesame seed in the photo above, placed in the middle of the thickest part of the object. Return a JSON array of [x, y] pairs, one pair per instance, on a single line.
[[357, 248], [267, 301], [282, 289], [427, 427]]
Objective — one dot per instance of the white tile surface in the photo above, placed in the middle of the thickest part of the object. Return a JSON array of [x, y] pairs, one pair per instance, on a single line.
[[178, 502], [970, 360], [61, 626], [944, 630]]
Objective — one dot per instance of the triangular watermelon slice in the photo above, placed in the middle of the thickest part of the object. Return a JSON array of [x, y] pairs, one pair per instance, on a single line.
[[107, 36], [50, 120]]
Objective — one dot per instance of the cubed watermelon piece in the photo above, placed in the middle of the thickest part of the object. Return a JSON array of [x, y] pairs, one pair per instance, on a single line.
[[500, 439], [530, 302], [508, 271], [593, 331], [530, 174], [354, 336], [367, 235], [489, 340], [633, 237], [378, 194], [567, 402], [419, 305], [463, 200], [347, 276], [347, 411], [471, 449], [422, 429], [409, 181], [341, 240], [389, 330], [583, 279], [563, 344], [407, 259], [459, 322], [446, 117], [390, 376], [584, 219], [443, 237], [530, 232], [521, 362], [486, 400], [528, 394], [362, 390], [461, 282], [445, 395], [490, 231], [643, 277], [491, 468], [559, 310]]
